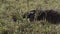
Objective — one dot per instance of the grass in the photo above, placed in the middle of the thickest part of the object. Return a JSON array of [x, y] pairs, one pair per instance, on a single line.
[[8, 8]]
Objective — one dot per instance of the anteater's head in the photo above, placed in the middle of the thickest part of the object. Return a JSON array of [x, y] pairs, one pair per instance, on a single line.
[[51, 16]]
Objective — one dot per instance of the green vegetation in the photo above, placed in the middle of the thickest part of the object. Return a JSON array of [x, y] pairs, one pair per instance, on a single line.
[[8, 8]]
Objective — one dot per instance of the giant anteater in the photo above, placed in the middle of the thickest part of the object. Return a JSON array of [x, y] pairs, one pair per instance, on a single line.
[[51, 16]]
